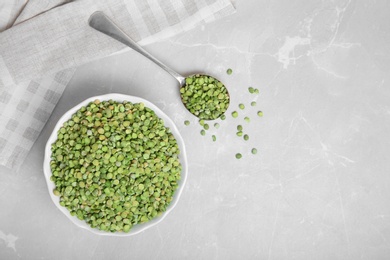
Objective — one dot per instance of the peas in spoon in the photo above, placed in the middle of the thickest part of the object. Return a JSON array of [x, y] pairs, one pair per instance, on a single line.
[[203, 95]]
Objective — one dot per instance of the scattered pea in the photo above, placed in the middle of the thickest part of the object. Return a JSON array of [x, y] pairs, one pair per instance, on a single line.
[[219, 96], [186, 122]]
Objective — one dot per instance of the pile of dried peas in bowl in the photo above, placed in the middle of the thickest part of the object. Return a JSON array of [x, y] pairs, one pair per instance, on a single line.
[[115, 165]]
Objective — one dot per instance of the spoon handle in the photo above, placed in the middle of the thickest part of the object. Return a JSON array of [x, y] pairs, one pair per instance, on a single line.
[[99, 21]]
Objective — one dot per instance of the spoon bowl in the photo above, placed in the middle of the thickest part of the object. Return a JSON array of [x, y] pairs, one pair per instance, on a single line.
[[205, 96], [213, 99]]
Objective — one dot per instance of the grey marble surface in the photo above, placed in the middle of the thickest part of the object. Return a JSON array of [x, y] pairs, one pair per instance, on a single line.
[[319, 187]]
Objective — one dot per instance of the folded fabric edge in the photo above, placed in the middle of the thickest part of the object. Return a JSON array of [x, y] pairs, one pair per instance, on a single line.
[[16, 145], [9, 12], [33, 8]]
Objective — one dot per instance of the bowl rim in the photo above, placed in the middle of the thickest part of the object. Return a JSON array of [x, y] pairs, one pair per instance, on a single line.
[[168, 122]]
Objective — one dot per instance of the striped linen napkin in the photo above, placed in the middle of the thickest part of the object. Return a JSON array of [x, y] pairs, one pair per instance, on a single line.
[[43, 41]]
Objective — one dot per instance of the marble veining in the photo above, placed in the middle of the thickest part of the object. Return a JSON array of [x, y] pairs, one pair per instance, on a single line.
[[318, 187]]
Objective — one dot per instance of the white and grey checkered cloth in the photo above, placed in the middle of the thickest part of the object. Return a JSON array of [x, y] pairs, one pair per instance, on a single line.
[[43, 41]]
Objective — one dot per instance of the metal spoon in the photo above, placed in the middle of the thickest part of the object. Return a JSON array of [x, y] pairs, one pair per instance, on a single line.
[[100, 22]]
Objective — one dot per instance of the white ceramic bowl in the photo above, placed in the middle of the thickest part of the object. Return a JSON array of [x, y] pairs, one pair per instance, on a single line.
[[168, 123]]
